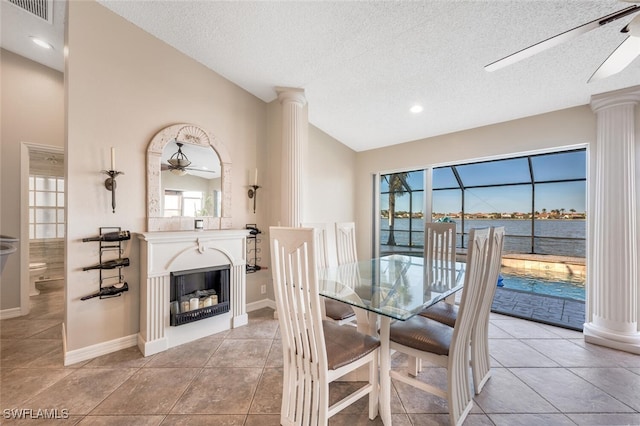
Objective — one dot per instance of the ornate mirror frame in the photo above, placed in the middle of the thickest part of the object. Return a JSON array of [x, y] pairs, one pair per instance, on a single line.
[[195, 135]]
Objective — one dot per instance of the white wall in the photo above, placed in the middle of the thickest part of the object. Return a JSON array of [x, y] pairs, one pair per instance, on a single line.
[[32, 110], [563, 128]]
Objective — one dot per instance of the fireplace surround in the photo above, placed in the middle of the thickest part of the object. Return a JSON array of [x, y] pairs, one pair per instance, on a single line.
[[164, 253]]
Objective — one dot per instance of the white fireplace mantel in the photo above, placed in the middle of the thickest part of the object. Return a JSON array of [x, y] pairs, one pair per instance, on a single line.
[[164, 252]]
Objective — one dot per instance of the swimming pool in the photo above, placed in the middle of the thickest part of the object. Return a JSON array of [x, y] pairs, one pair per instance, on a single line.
[[570, 287]]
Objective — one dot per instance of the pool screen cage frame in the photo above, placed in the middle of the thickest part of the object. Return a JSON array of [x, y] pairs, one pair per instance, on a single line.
[[398, 181]]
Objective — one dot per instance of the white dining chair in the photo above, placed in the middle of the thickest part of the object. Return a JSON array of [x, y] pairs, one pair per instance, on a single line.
[[440, 274], [316, 352], [346, 242], [480, 358], [447, 314], [347, 257], [440, 254], [426, 339], [332, 309]]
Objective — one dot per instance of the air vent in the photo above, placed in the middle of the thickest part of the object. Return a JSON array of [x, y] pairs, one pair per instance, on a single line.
[[40, 8]]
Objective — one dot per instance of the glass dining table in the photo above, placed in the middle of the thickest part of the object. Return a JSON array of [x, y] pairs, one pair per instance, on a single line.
[[393, 287]]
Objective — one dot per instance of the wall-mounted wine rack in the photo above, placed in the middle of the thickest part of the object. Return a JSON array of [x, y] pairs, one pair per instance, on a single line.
[[252, 248], [111, 285]]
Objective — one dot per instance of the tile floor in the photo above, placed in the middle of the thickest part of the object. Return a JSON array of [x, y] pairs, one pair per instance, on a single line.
[[542, 375]]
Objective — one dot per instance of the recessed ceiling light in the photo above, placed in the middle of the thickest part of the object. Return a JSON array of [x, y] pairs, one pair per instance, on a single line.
[[41, 43], [416, 109]]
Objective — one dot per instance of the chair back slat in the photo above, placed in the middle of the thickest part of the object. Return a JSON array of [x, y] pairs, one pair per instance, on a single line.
[[346, 242], [440, 253], [321, 235]]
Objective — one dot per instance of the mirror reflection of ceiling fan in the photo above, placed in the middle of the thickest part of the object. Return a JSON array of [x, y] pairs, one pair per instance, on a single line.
[[618, 60], [179, 164]]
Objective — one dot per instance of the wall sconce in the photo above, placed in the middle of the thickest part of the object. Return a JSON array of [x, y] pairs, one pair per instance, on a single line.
[[253, 193], [110, 182]]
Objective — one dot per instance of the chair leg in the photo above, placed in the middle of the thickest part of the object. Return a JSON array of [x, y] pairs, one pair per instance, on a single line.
[[480, 359], [415, 366], [373, 395], [323, 403], [459, 392]]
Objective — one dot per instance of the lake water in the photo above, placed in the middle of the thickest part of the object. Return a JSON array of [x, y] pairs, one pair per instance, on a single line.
[[556, 237]]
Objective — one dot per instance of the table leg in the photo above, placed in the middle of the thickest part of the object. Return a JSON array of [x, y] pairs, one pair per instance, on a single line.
[[385, 367]]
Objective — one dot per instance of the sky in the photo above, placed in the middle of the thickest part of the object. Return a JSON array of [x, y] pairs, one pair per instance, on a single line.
[[549, 196]]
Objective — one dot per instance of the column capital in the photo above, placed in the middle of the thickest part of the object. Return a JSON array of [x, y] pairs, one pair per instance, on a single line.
[[291, 94], [630, 95]]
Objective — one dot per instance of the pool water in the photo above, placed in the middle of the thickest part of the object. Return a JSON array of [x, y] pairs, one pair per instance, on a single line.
[[571, 287]]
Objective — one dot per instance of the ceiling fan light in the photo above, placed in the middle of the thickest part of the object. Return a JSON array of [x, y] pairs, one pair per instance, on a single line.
[[178, 171], [179, 162]]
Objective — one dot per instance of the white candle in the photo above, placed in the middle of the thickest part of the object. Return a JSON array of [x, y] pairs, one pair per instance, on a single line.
[[113, 158], [194, 303], [255, 180]]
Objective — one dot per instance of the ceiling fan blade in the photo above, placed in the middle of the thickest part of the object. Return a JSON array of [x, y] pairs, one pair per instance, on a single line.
[[559, 39], [622, 56], [199, 170]]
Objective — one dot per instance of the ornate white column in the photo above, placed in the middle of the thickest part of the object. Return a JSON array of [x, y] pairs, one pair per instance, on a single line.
[[294, 142], [612, 315]]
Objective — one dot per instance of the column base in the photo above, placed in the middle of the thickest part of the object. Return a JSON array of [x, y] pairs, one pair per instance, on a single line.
[[628, 342]]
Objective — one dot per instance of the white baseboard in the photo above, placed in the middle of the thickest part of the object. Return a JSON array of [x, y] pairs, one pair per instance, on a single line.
[[64, 339], [90, 352], [10, 313], [93, 351], [264, 303]]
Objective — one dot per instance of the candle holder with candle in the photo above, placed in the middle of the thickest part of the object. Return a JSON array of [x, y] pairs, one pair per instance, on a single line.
[[110, 182], [253, 190], [253, 193]]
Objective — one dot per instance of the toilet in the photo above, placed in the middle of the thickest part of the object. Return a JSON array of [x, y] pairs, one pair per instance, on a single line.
[[35, 272]]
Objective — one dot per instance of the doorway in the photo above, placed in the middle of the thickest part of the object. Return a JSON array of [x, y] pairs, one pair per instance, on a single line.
[[43, 226]]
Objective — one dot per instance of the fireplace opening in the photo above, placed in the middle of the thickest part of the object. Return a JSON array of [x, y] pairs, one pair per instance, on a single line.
[[199, 293]]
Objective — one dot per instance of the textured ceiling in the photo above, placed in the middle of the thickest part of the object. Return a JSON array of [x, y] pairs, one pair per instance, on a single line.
[[363, 64]]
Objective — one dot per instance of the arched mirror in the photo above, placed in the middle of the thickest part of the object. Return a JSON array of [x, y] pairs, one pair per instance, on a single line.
[[188, 176]]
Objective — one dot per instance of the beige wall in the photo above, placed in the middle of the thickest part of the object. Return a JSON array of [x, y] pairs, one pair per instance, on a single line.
[[330, 168], [32, 110], [123, 86], [563, 128]]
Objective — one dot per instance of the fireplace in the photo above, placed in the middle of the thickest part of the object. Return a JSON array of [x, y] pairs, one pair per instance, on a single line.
[[197, 294], [170, 256]]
